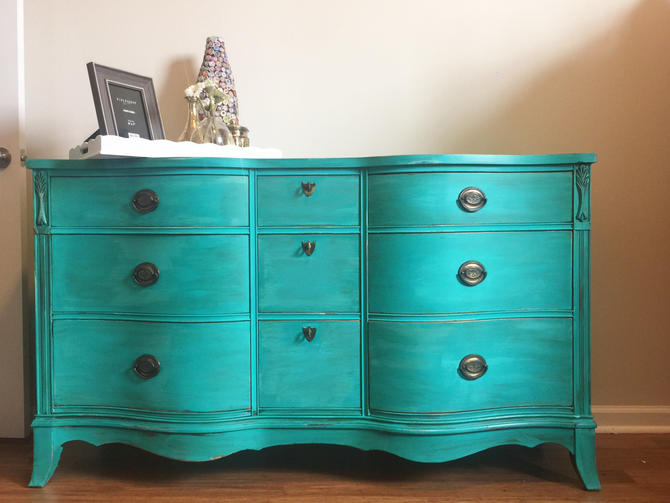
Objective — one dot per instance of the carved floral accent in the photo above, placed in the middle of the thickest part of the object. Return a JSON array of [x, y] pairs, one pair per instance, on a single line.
[[583, 178], [41, 192]]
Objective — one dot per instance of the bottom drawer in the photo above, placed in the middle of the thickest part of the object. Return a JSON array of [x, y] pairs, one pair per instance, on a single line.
[[295, 372], [202, 366], [414, 366]]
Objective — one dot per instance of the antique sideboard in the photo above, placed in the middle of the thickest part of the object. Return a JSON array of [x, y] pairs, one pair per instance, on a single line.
[[430, 306]]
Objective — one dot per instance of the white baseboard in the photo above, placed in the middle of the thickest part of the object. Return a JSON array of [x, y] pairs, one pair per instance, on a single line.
[[632, 418]]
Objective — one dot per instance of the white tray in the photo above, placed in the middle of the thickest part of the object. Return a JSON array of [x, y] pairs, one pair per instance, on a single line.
[[108, 146]]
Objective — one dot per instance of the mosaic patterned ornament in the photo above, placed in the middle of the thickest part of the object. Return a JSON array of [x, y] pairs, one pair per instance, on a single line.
[[216, 66]]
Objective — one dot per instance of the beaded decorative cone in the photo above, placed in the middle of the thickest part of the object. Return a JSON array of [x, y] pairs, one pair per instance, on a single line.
[[215, 66]]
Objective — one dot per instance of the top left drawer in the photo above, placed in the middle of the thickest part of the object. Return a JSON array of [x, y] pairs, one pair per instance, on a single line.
[[150, 201]]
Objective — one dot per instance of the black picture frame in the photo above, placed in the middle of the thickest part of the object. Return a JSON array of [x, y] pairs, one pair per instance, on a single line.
[[125, 103]]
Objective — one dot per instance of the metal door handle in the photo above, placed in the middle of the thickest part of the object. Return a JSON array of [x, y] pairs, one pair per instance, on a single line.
[[5, 157]]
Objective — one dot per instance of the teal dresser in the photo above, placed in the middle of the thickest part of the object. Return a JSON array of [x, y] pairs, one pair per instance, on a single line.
[[428, 306]]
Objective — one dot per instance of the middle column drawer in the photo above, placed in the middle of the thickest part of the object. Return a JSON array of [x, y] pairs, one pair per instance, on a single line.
[[308, 273], [328, 200], [309, 364]]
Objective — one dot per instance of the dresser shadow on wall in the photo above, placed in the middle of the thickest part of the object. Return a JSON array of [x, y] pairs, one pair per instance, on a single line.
[[610, 97], [181, 73]]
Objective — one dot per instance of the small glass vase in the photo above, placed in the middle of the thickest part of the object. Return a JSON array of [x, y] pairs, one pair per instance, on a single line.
[[212, 130], [192, 121]]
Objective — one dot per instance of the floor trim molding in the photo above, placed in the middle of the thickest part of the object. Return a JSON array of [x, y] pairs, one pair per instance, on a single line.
[[632, 418]]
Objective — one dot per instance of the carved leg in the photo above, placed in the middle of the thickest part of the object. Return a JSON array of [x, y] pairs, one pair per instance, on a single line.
[[584, 458], [46, 453]]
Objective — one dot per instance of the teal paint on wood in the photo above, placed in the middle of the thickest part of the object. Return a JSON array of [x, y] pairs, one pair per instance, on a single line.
[[197, 274], [333, 200], [436, 161], [380, 287], [321, 373], [203, 366], [183, 201], [414, 366], [418, 273], [292, 281], [190, 447], [432, 198]]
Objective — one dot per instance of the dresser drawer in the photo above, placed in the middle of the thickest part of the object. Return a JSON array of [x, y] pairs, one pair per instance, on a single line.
[[433, 198], [419, 273], [414, 367], [183, 201], [202, 366], [321, 373], [332, 200], [109, 274], [291, 280]]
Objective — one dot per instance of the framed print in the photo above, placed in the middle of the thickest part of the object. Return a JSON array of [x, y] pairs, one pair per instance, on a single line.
[[125, 103]]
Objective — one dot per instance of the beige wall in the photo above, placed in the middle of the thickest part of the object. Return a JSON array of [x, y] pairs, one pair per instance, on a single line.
[[381, 77]]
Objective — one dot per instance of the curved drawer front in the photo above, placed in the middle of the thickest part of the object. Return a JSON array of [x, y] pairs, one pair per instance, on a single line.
[[291, 280], [419, 273], [183, 201], [414, 367], [200, 275], [332, 200], [202, 367], [309, 364], [433, 198]]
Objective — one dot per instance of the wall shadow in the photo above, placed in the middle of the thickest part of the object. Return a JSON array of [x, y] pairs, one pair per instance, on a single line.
[[181, 73], [611, 97]]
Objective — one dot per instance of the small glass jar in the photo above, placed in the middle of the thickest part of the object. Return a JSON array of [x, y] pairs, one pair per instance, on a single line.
[[212, 130], [240, 134]]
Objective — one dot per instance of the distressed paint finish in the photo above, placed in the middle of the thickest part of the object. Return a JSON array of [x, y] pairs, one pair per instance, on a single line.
[[414, 366], [583, 179], [214, 357], [334, 200], [199, 274], [418, 273], [236, 289], [432, 198], [325, 281], [41, 201], [297, 373], [183, 201]]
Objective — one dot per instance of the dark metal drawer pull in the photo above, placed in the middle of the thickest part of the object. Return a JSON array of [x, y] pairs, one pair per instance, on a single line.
[[308, 188], [146, 274], [471, 199], [145, 201], [309, 333], [471, 273], [472, 367], [147, 366], [308, 247]]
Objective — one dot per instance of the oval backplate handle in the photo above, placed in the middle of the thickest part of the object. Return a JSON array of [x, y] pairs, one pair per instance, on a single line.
[[145, 201], [471, 199], [471, 273], [146, 274], [472, 367], [147, 366]]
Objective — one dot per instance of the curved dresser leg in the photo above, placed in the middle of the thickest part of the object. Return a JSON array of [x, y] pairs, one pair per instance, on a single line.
[[584, 458], [46, 453]]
